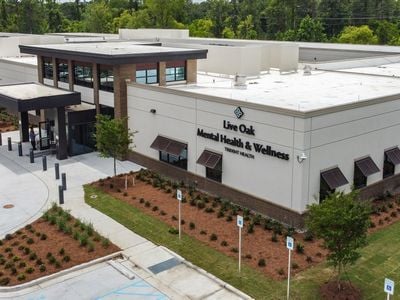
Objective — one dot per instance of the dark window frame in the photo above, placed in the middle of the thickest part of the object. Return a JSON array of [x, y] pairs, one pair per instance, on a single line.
[[86, 72], [359, 179], [179, 161], [107, 71], [62, 67], [48, 67], [388, 168], [216, 173], [324, 189]]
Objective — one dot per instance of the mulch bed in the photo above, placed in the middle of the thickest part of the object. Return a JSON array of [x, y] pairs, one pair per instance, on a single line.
[[41, 248], [7, 126], [216, 229], [329, 291]]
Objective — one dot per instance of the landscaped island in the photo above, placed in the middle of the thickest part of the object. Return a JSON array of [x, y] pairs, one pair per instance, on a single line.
[[53, 243]]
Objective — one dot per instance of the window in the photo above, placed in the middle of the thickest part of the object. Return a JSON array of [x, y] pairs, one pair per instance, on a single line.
[[213, 163], [388, 167], [215, 173], [171, 151], [106, 78], [175, 71], [329, 181], [47, 68], [62, 70], [392, 158], [83, 74], [359, 179], [179, 161], [147, 73], [362, 169]]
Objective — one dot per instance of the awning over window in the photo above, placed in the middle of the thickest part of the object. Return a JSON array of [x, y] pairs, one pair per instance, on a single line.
[[334, 178], [209, 159], [393, 155], [367, 166], [167, 145]]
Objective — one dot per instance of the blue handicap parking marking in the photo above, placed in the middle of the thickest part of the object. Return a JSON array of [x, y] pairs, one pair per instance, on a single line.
[[139, 289]]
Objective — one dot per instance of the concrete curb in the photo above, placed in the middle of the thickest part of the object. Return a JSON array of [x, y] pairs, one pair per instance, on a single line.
[[209, 275], [40, 280]]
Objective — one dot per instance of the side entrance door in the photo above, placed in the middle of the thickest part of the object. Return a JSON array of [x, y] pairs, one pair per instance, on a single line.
[[44, 135]]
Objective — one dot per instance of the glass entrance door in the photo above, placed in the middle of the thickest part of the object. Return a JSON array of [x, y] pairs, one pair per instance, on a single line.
[[44, 135]]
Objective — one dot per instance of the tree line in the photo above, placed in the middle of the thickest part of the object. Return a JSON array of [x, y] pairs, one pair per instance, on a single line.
[[347, 21]]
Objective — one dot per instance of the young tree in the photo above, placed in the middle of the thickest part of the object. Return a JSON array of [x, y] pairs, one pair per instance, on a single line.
[[342, 221], [113, 137], [358, 35]]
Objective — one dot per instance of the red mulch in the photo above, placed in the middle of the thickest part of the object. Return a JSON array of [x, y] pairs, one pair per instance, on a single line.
[[6, 126], [54, 242], [255, 246]]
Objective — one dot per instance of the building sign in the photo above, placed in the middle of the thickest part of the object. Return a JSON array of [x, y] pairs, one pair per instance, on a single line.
[[238, 112], [240, 143]]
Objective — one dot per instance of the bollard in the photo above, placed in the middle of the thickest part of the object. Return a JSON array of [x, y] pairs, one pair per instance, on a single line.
[[19, 149], [44, 162], [64, 181], [57, 170], [61, 194], [31, 156], [1, 140], [9, 144]]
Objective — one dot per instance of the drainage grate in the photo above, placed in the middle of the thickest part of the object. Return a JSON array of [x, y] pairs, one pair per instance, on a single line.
[[165, 265]]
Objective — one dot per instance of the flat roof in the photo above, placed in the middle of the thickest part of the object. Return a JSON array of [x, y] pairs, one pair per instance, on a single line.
[[296, 92], [391, 70], [114, 52], [26, 60], [32, 96]]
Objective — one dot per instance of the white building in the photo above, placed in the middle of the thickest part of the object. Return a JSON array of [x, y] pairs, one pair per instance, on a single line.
[[254, 129]]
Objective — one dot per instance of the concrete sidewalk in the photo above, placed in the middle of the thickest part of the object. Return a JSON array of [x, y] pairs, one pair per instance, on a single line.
[[160, 267]]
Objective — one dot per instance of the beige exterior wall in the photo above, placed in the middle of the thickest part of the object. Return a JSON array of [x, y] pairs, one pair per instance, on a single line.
[[191, 71]]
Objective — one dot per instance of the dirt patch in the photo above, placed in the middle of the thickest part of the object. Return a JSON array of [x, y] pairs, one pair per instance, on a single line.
[[385, 213], [41, 248], [329, 291], [213, 221]]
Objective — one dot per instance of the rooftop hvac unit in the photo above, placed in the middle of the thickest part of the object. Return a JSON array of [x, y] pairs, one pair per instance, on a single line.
[[240, 82]]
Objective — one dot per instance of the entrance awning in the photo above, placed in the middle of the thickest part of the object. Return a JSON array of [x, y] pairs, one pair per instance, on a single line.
[[367, 166], [33, 96], [393, 155], [167, 145], [334, 178], [209, 159]]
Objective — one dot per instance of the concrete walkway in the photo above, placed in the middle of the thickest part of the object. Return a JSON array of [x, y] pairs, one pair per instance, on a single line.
[[32, 190]]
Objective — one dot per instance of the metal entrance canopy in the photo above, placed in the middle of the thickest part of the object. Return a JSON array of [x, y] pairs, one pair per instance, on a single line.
[[23, 97]]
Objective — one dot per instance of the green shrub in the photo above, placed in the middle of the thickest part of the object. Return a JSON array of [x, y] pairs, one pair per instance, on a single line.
[[280, 271], [295, 265], [21, 277], [13, 271], [16, 258], [30, 241], [66, 258], [248, 256], [220, 214], [163, 213], [234, 250], [21, 248], [90, 247], [30, 270], [174, 218], [250, 229], [203, 232], [229, 218], [105, 242], [9, 265], [308, 236], [76, 235], [261, 262], [57, 264], [42, 268], [309, 259], [61, 252], [52, 260], [49, 254], [90, 229], [155, 208], [8, 237], [2, 261], [83, 240], [200, 204], [32, 256], [141, 200], [173, 230], [4, 281], [274, 237], [224, 243], [209, 210], [27, 250], [22, 265], [213, 237], [39, 262], [192, 225], [299, 248]]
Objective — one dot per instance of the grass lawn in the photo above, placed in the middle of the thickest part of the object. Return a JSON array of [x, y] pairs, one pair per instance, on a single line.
[[380, 258]]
